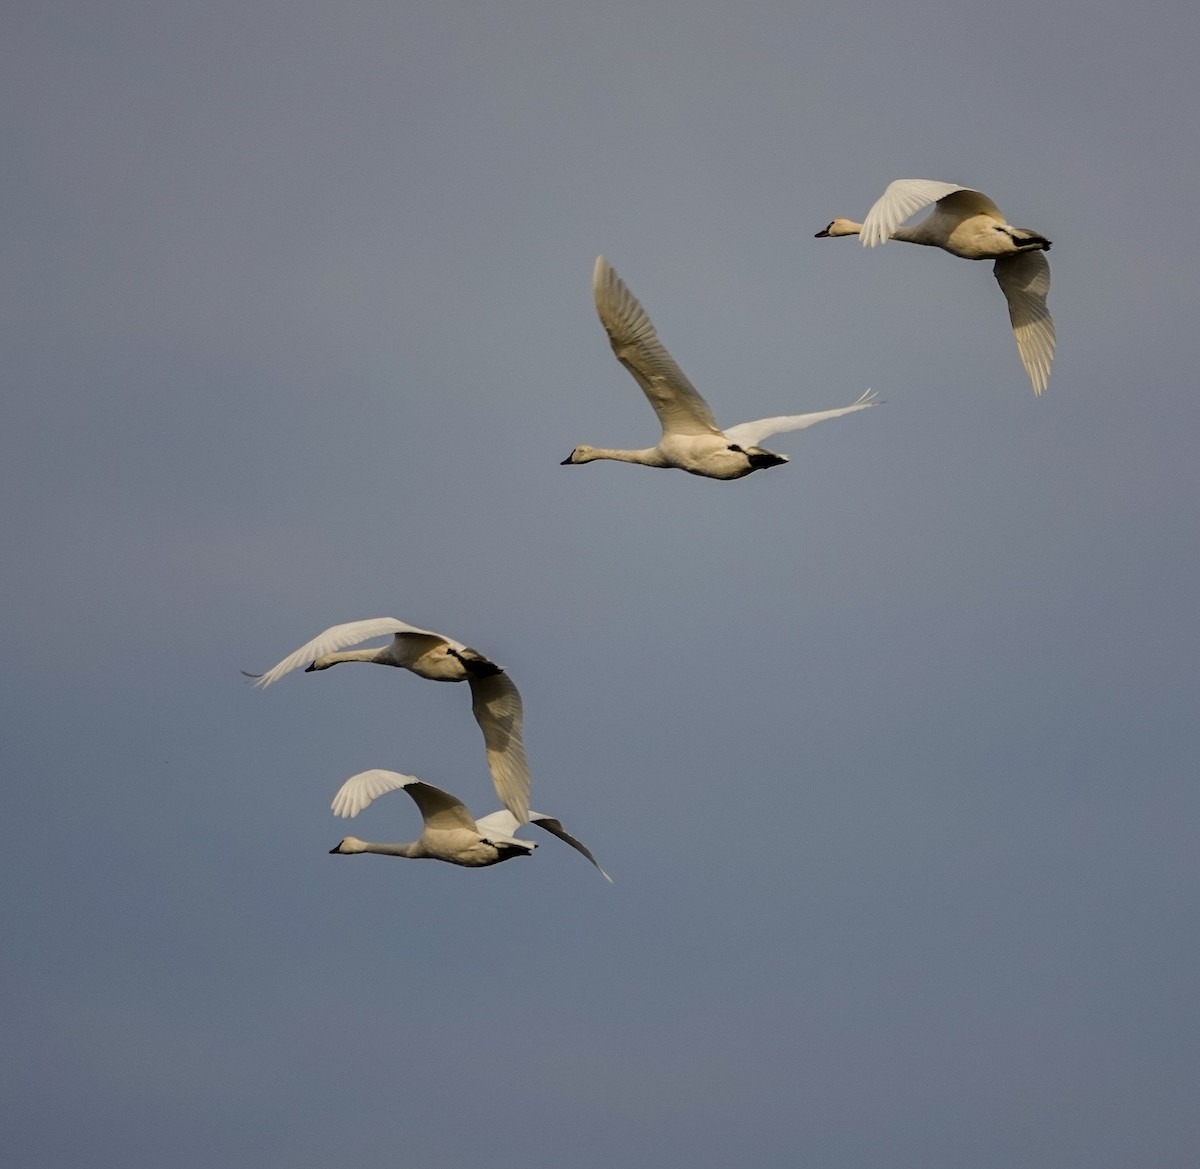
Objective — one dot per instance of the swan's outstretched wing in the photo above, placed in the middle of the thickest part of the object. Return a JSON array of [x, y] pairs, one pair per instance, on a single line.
[[680, 409], [555, 828], [361, 789], [1025, 282], [438, 809], [497, 708], [747, 434], [505, 824], [904, 197], [501, 825], [337, 637]]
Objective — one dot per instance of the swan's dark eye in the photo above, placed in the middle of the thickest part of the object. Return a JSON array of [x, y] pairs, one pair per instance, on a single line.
[[733, 446]]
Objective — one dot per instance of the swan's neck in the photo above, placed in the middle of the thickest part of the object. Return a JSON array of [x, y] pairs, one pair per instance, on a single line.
[[352, 844], [378, 654], [913, 235], [650, 457], [411, 849], [908, 235]]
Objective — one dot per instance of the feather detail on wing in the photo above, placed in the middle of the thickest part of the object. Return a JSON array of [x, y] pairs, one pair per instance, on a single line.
[[1025, 282], [904, 197], [438, 809], [748, 434], [680, 408], [496, 705], [337, 637], [501, 825], [504, 823], [555, 828]]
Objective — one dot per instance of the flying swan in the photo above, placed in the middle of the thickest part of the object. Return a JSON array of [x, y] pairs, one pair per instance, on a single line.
[[691, 439], [449, 833], [967, 223], [495, 701]]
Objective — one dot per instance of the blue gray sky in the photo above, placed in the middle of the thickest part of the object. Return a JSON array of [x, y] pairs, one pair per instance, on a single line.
[[891, 752]]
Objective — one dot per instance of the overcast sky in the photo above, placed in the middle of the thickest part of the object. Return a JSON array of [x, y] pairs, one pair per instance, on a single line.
[[891, 751]]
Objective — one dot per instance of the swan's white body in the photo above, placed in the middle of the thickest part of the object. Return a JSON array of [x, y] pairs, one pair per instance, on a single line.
[[691, 440], [427, 654], [495, 701], [966, 223], [449, 832]]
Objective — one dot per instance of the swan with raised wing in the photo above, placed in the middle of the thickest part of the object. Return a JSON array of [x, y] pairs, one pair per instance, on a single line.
[[691, 439], [449, 833], [966, 223]]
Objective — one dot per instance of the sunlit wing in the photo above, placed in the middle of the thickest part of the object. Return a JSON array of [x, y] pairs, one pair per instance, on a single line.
[[680, 409], [504, 824], [501, 825], [1025, 282], [496, 705], [338, 637], [905, 197], [438, 809], [747, 434], [555, 828]]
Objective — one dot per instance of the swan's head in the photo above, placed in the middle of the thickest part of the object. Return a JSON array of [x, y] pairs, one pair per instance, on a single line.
[[761, 458], [319, 664], [1024, 240], [349, 845], [840, 227], [474, 662], [581, 454]]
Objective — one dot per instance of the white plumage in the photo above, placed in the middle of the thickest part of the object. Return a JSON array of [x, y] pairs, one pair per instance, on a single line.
[[966, 223], [495, 701], [691, 439], [449, 833]]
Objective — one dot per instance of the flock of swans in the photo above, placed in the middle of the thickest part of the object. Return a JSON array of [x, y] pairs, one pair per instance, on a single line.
[[964, 222]]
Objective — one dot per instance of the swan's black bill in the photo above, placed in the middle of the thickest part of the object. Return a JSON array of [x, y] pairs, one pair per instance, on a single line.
[[822, 233]]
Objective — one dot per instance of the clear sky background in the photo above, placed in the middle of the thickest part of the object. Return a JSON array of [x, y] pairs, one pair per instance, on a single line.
[[891, 752]]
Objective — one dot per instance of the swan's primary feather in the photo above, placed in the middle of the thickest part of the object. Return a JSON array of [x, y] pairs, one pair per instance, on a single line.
[[752, 433], [337, 637], [1025, 282], [440, 810], [498, 711], [504, 822], [679, 406], [904, 197]]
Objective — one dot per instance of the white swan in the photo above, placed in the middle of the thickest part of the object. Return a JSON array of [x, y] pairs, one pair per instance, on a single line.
[[495, 701], [429, 655], [967, 223], [449, 833], [691, 439]]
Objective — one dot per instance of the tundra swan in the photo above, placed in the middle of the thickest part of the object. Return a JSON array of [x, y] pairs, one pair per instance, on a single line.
[[495, 701], [691, 439], [967, 223], [449, 833]]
